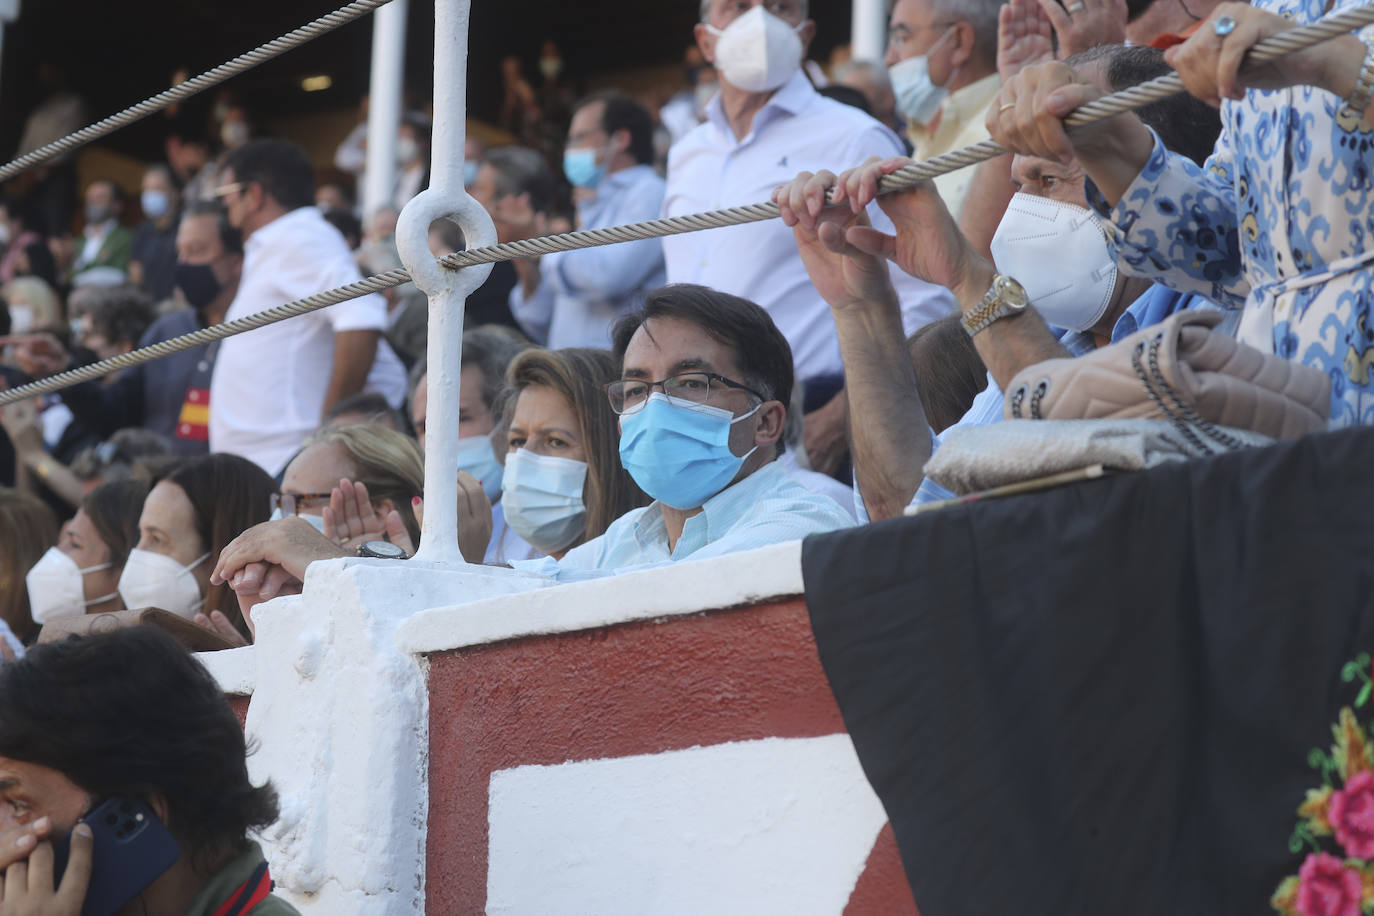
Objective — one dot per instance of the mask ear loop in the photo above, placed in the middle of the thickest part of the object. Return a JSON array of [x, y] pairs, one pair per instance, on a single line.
[[745, 416], [953, 73]]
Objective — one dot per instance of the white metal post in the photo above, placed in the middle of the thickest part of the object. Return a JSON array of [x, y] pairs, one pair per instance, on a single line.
[[9, 11], [447, 289], [384, 104], [868, 30], [339, 711]]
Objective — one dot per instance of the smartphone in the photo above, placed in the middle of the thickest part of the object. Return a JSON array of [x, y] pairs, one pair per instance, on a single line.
[[132, 849]]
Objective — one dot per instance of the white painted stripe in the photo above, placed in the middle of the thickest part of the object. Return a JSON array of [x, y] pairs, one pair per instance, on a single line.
[[236, 670], [780, 825]]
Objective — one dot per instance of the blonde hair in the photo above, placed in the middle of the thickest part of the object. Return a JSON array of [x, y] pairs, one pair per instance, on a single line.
[[35, 292], [581, 376], [388, 463]]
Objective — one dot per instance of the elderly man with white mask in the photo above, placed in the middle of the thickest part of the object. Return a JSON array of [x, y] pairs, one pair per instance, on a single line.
[[765, 124], [1053, 291]]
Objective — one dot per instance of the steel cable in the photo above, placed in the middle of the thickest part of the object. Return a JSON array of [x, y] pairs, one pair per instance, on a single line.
[[1127, 99]]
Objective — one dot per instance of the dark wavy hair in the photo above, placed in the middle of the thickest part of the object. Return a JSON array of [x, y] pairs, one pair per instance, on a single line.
[[113, 509], [130, 713], [229, 495]]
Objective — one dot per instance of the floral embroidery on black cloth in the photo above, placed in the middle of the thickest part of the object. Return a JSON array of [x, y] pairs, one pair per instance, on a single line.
[[1336, 823]]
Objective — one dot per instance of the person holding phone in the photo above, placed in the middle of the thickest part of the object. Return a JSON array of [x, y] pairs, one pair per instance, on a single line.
[[124, 785]]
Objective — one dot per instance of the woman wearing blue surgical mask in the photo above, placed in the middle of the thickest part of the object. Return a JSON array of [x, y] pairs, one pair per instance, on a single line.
[[481, 447], [80, 575], [187, 519], [563, 482]]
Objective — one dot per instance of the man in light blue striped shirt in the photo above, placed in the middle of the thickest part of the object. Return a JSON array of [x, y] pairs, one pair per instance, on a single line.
[[572, 298], [702, 400]]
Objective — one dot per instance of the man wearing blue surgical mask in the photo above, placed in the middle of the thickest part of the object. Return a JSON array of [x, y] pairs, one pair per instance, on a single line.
[[942, 61], [704, 382], [571, 298], [1052, 289], [153, 262]]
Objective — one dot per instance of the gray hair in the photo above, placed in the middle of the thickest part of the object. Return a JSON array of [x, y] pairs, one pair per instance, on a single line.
[[982, 16], [521, 171], [805, 8], [489, 347]]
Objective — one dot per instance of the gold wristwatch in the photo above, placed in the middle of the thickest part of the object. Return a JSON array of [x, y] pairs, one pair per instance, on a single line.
[[1004, 298]]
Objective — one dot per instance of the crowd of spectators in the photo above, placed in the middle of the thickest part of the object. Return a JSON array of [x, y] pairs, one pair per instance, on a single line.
[[668, 399], [660, 401]]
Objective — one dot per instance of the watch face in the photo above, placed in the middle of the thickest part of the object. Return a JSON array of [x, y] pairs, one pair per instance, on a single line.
[[1011, 292], [382, 550]]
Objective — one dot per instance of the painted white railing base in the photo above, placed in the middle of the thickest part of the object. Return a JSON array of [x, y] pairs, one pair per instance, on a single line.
[[339, 719]]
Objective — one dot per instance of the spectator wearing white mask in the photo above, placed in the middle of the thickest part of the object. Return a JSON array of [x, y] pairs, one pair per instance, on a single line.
[[187, 519], [1051, 291], [27, 529], [767, 123], [81, 574], [412, 158]]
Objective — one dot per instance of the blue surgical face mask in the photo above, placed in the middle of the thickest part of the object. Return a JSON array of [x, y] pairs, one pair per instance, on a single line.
[[154, 203], [470, 167], [581, 168], [475, 455], [542, 496], [918, 98], [679, 452]]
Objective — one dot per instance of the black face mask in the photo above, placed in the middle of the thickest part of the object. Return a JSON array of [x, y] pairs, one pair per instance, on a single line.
[[197, 283]]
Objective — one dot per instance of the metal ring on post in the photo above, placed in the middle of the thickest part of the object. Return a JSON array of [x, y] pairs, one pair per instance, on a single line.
[[412, 241]]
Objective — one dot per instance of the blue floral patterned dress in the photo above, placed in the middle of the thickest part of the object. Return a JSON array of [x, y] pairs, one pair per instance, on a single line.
[[1278, 221]]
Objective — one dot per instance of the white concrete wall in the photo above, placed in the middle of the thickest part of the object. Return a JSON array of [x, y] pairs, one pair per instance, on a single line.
[[339, 716]]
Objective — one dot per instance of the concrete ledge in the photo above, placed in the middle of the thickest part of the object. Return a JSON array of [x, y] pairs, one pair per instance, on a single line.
[[235, 669], [685, 588]]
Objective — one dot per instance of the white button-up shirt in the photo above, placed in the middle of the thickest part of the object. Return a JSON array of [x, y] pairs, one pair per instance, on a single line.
[[269, 385], [582, 293], [797, 130]]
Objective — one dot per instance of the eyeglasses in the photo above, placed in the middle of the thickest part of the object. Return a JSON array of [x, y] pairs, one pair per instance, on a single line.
[[628, 395], [224, 190], [293, 503]]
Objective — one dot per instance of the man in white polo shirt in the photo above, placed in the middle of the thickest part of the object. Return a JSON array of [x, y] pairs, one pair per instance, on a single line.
[[766, 124], [271, 386]]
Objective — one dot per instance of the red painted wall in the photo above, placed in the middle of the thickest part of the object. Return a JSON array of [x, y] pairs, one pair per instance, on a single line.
[[239, 704], [638, 688]]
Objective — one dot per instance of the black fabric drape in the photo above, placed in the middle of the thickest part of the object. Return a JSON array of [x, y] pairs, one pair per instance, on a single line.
[[1101, 699]]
